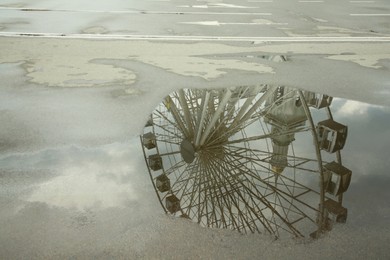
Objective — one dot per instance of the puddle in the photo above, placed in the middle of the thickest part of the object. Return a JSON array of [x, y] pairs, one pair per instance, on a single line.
[[262, 159]]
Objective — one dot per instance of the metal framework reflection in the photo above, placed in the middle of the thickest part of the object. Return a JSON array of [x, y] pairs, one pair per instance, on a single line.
[[241, 158]]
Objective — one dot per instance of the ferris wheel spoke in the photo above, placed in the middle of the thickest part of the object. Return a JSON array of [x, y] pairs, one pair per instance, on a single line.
[[159, 114], [209, 185], [174, 167], [161, 139], [299, 185], [206, 185], [272, 187], [266, 170], [170, 128], [213, 192], [231, 131], [194, 107], [288, 186], [170, 153], [258, 161], [247, 211], [184, 176], [230, 194], [226, 166], [222, 194], [212, 198], [279, 99], [252, 109], [201, 116], [294, 209], [266, 202], [291, 186], [243, 109], [185, 180], [193, 170], [201, 202], [261, 198], [259, 137], [223, 120], [253, 160], [283, 194], [215, 200], [167, 133], [194, 206], [215, 116], [215, 196], [286, 208], [172, 108], [284, 219], [187, 115], [193, 195], [258, 152]]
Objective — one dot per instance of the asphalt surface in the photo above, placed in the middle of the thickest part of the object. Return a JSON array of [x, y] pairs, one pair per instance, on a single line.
[[248, 18]]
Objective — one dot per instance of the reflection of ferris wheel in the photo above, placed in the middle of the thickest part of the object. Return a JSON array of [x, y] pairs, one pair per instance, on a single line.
[[243, 158]]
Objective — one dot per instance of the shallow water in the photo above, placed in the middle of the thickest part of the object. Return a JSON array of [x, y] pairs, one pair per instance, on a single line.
[[74, 181]]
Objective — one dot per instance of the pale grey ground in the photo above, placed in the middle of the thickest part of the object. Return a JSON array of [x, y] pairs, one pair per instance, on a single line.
[[73, 183]]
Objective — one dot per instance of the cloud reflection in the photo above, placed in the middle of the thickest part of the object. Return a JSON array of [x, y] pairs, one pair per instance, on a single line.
[[354, 108], [90, 178]]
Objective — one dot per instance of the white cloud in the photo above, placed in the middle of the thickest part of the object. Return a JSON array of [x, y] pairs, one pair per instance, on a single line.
[[81, 188], [351, 108]]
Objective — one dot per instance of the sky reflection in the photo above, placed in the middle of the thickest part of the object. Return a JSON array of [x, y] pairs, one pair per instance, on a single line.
[[83, 178], [368, 142]]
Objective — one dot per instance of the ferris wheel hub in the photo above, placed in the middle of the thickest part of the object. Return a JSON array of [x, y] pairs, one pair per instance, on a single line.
[[187, 151]]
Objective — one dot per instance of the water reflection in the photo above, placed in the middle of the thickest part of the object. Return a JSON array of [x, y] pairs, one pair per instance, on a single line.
[[255, 159]]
